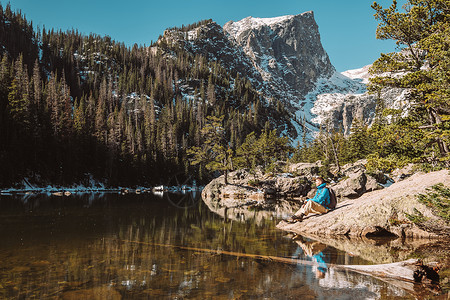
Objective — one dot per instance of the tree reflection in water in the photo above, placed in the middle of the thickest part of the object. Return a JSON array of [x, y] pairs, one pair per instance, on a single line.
[[82, 247]]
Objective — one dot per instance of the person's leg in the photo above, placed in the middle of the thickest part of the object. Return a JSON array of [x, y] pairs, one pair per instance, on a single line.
[[316, 208], [310, 207]]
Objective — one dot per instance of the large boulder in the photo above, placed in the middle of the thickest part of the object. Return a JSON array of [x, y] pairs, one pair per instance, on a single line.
[[355, 185], [305, 169], [357, 181], [243, 185], [351, 168], [295, 186], [405, 172], [382, 212]]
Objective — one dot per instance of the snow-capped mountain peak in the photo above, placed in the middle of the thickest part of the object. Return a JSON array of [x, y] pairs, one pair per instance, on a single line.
[[235, 29]]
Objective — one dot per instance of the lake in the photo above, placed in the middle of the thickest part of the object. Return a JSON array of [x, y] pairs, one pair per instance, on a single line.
[[167, 246]]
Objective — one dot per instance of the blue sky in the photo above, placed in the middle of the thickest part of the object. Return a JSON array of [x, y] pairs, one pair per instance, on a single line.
[[347, 28]]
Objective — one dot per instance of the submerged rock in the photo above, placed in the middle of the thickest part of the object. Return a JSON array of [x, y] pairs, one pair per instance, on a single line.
[[104, 292]]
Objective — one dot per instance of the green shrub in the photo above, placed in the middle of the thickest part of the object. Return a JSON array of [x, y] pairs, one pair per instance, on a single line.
[[438, 199], [386, 164], [254, 182], [417, 217]]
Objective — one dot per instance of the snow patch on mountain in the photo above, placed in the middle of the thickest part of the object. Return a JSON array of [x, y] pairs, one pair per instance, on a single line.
[[328, 94], [361, 74], [283, 58], [339, 108], [237, 28], [289, 58]]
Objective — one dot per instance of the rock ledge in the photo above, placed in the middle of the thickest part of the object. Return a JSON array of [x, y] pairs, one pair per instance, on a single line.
[[379, 213]]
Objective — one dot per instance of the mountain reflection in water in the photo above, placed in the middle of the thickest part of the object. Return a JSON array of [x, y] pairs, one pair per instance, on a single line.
[[120, 246]]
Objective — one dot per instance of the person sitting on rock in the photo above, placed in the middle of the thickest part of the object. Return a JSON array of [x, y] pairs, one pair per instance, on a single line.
[[317, 205]]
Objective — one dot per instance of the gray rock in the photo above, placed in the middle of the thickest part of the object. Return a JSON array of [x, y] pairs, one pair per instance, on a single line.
[[355, 185], [297, 186], [358, 166], [244, 185], [372, 184], [381, 212], [352, 187], [402, 173], [357, 181], [305, 169]]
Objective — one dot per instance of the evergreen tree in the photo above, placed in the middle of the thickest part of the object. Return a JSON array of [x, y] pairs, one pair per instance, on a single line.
[[75, 96], [423, 134], [215, 152], [359, 142], [18, 96]]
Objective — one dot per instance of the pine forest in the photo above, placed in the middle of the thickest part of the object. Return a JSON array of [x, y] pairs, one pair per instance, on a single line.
[[76, 106]]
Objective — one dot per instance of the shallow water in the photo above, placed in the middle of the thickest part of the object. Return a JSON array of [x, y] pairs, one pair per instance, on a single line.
[[111, 246]]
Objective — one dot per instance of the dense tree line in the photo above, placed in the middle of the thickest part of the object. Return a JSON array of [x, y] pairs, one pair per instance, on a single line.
[[72, 105], [216, 153], [332, 147]]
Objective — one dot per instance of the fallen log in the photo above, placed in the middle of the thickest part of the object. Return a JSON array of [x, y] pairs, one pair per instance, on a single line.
[[412, 270]]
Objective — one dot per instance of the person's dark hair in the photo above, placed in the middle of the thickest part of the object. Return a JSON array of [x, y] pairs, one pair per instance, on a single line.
[[319, 177]]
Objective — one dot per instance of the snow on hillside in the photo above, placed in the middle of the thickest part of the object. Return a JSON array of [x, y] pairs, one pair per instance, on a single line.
[[361, 74], [327, 94], [349, 99], [298, 73], [332, 92]]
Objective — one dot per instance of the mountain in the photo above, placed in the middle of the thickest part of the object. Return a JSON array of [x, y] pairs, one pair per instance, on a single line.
[[286, 52], [93, 106], [282, 57]]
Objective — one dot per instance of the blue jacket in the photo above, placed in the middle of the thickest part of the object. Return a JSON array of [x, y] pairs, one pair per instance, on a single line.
[[320, 258], [322, 196]]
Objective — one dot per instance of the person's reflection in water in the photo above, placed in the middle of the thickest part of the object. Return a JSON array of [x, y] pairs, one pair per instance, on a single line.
[[315, 251]]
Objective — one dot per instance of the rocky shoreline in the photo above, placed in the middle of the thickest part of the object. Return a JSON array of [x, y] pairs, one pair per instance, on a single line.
[[26, 188], [369, 205], [381, 213]]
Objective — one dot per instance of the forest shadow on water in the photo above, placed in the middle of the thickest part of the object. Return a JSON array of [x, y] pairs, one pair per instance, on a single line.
[[169, 246]]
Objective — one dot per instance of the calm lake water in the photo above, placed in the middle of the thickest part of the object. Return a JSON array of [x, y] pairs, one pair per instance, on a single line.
[[111, 246]]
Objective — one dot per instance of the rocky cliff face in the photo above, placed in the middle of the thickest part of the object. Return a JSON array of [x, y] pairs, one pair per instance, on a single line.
[[286, 51], [210, 41], [282, 57], [343, 107]]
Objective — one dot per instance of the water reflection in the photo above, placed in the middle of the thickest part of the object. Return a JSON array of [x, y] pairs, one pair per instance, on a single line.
[[315, 251], [253, 211], [121, 246]]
